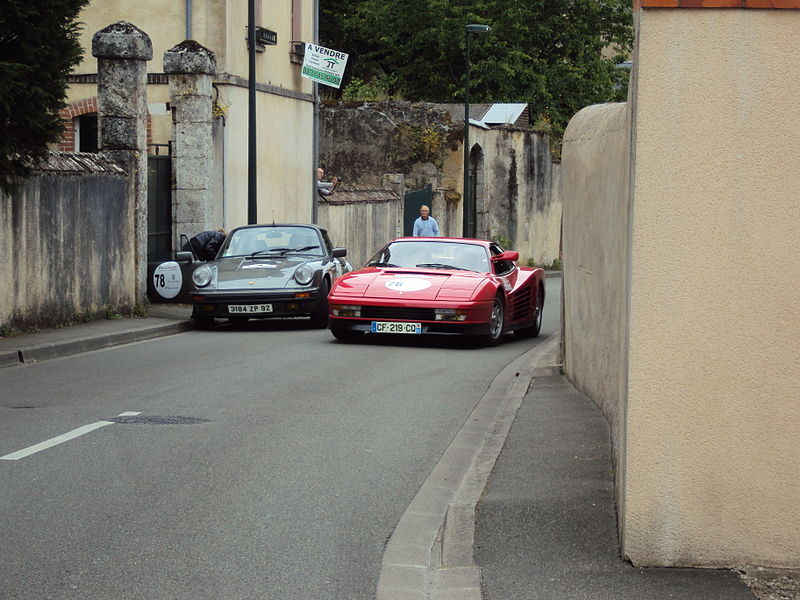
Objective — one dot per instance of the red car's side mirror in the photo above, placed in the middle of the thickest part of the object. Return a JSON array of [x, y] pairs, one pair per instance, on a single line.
[[511, 255]]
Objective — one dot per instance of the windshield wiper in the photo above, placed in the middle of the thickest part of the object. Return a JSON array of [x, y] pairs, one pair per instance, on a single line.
[[382, 264], [299, 250], [260, 252], [442, 266]]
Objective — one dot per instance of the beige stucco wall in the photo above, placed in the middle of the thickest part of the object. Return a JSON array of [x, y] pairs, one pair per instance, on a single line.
[[285, 124], [713, 416], [595, 190]]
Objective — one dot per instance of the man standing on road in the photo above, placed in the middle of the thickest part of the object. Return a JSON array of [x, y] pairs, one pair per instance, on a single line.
[[425, 225]]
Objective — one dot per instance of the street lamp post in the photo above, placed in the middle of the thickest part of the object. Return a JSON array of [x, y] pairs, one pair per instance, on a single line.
[[467, 203], [252, 174]]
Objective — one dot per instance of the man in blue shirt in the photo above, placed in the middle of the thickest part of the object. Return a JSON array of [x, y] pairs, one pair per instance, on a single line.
[[425, 225]]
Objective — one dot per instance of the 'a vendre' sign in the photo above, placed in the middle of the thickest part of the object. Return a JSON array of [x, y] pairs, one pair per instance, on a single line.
[[324, 65]]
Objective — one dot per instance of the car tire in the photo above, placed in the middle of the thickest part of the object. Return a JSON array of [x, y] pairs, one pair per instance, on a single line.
[[533, 330], [204, 322], [344, 334], [496, 324], [319, 316]]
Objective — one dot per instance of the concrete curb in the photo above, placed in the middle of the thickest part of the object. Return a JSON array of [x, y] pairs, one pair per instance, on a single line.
[[50, 350], [430, 552]]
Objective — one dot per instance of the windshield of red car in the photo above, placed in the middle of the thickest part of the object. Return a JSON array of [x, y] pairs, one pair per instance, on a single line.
[[259, 241], [432, 254]]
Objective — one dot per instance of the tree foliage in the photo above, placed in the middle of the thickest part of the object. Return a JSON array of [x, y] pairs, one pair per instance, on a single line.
[[38, 48], [547, 53]]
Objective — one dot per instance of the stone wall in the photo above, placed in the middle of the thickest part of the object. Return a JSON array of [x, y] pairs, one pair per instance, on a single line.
[[361, 219], [68, 240]]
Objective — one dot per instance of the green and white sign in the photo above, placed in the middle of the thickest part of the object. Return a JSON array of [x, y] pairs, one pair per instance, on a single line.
[[324, 65]]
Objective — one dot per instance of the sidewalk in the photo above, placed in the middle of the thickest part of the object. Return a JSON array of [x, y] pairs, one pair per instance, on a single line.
[[162, 319], [546, 523]]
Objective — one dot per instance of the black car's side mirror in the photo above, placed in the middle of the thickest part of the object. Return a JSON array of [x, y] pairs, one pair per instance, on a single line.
[[184, 257], [339, 252]]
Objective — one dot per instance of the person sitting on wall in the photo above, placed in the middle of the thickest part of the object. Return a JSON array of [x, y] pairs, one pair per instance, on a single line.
[[206, 244], [326, 188]]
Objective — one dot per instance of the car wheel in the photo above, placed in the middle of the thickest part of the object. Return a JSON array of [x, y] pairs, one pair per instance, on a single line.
[[319, 316], [496, 323], [204, 322], [534, 329], [345, 334]]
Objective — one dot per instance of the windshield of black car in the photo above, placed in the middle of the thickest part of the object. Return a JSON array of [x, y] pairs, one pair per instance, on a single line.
[[275, 240], [432, 255]]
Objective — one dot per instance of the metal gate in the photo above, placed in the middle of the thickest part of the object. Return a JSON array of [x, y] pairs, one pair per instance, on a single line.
[[412, 202], [159, 204]]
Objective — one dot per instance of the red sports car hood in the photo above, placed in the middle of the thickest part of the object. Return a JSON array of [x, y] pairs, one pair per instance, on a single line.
[[409, 284]]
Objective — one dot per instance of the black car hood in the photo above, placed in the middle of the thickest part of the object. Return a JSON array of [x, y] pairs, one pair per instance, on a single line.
[[264, 272]]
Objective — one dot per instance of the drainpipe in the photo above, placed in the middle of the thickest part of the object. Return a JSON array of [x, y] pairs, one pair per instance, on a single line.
[[315, 134], [188, 20]]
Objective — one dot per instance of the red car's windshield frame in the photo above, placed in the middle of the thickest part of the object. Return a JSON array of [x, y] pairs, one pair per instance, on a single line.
[[433, 254]]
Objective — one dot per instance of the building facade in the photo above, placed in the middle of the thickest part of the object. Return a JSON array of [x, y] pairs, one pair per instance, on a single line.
[[284, 99]]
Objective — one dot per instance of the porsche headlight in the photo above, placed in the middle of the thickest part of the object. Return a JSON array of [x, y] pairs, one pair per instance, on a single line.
[[202, 276], [304, 274]]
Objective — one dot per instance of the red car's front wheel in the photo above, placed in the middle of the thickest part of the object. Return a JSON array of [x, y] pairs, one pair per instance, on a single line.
[[496, 324]]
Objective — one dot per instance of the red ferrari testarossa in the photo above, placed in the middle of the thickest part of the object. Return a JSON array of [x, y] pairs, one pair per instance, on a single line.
[[439, 285]]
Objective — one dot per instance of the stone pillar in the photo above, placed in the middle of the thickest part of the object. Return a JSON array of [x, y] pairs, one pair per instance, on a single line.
[[122, 51], [190, 68]]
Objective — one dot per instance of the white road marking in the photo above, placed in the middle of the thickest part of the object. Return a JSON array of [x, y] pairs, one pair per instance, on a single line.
[[62, 438]]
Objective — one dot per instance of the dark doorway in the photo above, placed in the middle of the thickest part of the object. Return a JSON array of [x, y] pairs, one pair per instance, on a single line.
[[411, 205], [159, 203]]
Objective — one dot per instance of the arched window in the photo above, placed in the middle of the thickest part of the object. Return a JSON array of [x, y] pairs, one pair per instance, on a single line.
[[477, 193]]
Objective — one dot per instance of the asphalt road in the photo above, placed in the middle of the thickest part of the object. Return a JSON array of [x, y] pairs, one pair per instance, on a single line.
[[266, 461]]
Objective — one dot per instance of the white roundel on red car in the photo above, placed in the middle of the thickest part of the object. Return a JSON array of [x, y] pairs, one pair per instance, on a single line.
[[407, 284]]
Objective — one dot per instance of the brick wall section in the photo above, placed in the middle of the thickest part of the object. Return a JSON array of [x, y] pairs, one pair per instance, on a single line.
[[77, 109], [790, 4], [70, 112]]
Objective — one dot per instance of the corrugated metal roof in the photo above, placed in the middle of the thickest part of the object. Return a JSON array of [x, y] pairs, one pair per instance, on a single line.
[[488, 115], [360, 194], [503, 113]]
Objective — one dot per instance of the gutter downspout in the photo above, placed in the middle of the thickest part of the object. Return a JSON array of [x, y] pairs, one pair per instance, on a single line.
[[188, 19]]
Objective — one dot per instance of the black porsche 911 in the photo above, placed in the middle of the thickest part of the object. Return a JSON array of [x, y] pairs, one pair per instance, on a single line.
[[268, 271]]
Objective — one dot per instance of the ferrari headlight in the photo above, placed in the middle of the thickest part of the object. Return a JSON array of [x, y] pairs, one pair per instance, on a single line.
[[202, 276], [450, 314], [345, 310], [304, 274]]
